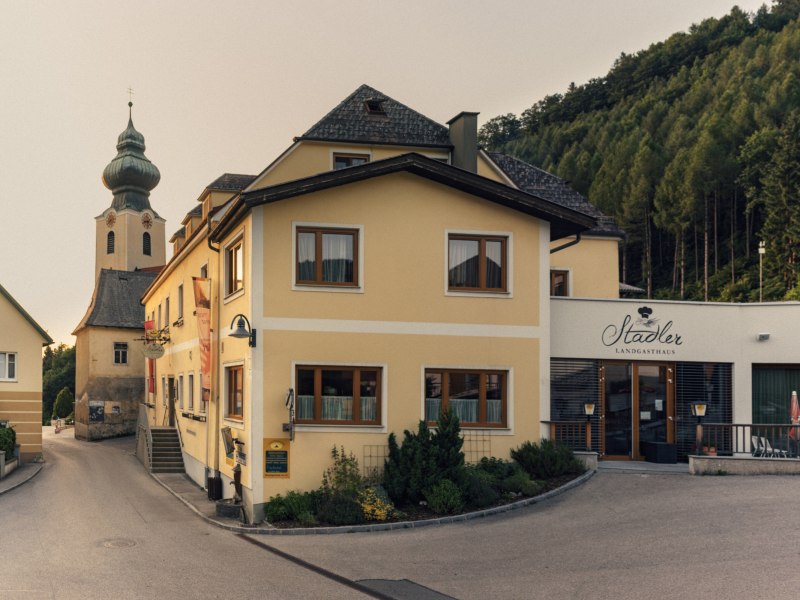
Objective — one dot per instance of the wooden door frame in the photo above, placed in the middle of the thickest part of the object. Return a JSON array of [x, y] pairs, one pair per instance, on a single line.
[[635, 422]]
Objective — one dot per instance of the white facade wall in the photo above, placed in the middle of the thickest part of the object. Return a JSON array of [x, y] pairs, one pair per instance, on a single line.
[[680, 332]]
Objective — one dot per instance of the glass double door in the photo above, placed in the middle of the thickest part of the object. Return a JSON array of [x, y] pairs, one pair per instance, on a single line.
[[638, 407]]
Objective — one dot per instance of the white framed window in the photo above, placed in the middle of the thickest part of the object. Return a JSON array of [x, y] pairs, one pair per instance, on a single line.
[[120, 353], [180, 392], [159, 317], [8, 366], [190, 390], [234, 392], [164, 391], [328, 257], [166, 312], [180, 301]]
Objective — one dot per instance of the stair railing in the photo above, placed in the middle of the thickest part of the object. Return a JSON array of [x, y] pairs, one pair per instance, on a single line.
[[144, 436]]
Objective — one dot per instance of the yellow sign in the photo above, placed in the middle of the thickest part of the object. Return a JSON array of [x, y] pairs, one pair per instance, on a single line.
[[276, 457]]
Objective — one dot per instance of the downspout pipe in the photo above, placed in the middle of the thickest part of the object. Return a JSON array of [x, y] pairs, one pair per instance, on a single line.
[[562, 246]]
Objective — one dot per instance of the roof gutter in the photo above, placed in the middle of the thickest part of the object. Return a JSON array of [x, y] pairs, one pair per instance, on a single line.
[[567, 245]]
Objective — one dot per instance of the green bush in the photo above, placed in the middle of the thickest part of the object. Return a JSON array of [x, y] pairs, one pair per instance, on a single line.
[[340, 509], [521, 483], [444, 498], [295, 506], [499, 468], [424, 459], [343, 477], [8, 439], [479, 487], [64, 404], [546, 460]]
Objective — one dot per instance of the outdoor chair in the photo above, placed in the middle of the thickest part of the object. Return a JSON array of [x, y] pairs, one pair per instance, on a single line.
[[758, 447], [774, 452]]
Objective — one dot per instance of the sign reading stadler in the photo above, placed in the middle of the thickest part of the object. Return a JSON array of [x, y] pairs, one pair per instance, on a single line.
[[643, 335], [202, 303]]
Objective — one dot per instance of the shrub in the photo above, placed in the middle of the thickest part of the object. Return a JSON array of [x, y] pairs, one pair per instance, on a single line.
[[498, 467], [340, 509], [447, 444], [8, 439], [444, 498], [375, 504], [521, 483], [296, 506], [479, 487], [410, 468], [64, 404], [344, 477], [546, 459]]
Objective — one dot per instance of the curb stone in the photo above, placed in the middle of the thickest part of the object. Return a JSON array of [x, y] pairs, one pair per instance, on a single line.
[[382, 526], [36, 471]]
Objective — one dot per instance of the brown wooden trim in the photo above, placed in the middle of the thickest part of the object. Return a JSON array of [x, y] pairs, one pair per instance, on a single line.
[[482, 262], [565, 273], [482, 400], [318, 258], [356, 370], [21, 396], [230, 389]]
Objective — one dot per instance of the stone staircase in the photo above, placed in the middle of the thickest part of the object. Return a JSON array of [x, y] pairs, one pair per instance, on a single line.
[[166, 455]]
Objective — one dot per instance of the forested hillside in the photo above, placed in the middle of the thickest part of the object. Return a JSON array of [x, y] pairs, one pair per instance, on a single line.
[[694, 146]]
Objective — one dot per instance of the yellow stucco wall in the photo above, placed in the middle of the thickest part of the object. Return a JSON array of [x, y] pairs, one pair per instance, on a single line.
[[592, 264], [128, 246], [97, 351], [21, 400], [310, 158], [405, 221]]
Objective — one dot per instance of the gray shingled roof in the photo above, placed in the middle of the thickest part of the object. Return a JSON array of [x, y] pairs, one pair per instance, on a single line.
[[197, 211], [351, 122], [181, 233], [231, 182], [546, 185], [116, 301]]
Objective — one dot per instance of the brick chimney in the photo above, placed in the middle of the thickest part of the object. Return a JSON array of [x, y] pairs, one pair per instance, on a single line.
[[464, 137]]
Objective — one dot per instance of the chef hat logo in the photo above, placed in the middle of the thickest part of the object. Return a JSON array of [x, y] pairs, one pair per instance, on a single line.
[[645, 312]]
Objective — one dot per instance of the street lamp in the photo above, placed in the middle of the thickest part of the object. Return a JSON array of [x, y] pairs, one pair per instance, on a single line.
[[698, 410], [242, 331], [762, 249], [588, 410]]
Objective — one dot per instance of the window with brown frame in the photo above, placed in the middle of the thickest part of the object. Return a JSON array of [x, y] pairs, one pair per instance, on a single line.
[[342, 160], [234, 397], [339, 395], [327, 256], [559, 283], [477, 263], [478, 398], [234, 268]]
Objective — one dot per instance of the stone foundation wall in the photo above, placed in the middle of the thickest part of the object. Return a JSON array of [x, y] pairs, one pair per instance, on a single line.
[[108, 407]]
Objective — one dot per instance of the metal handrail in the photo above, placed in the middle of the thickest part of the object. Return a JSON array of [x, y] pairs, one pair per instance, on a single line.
[[143, 425]]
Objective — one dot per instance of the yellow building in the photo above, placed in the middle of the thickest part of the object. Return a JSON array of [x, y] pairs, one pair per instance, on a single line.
[[387, 269], [129, 252], [21, 374]]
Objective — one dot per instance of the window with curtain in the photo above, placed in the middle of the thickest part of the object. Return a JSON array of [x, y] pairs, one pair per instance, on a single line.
[[234, 268], [110, 243], [338, 395], [477, 263], [477, 398], [146, 249], [8, 366], [342, 161], [327, 257], [234, 396]]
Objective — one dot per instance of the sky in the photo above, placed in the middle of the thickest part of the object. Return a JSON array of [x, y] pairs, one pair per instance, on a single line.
[[225, 86]]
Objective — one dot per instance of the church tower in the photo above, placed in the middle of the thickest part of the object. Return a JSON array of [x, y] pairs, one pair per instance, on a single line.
[[129, 252], [129, 233]]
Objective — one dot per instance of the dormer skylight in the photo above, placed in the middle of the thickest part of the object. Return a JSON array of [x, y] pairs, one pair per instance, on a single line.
[[374, 106]]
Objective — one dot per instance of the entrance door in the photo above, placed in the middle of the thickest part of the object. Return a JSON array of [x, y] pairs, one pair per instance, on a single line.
[[171, 400], [638, 407]]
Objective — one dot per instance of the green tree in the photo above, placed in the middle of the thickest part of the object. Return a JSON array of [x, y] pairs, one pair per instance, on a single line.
[[65, 404], [58, 371]]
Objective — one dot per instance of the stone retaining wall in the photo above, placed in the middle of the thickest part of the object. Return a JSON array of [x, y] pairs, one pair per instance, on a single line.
[[742, 465]]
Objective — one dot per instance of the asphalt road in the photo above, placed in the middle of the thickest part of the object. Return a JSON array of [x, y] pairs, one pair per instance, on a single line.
[[93, 524]]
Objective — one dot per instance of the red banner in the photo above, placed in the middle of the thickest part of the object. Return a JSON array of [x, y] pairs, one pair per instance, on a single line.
[[202, 303], [151, 364]]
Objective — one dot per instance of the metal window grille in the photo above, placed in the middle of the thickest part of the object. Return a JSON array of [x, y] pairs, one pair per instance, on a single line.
[[707, 382], [574, 382]]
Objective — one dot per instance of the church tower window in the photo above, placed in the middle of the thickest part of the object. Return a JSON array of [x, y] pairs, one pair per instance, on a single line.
[[110, 243], [146, 248]]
